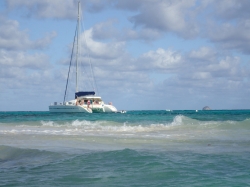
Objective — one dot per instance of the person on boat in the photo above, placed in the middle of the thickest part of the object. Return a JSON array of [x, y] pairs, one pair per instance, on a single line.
[[88, 103], [78, 102]]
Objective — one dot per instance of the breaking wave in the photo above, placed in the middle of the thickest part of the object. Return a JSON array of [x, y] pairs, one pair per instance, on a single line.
[[180, 124]]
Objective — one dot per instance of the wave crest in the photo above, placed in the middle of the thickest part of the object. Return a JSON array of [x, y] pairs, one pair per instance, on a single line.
[[180, 124]]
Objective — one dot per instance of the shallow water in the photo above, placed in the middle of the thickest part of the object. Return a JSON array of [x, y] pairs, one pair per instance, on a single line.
[[139, 148]]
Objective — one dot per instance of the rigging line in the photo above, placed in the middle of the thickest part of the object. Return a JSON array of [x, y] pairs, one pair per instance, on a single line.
[[90, 81], [95, 85], [70, 65], [81, 64], [77, 49], [79, 56], [90, 64]]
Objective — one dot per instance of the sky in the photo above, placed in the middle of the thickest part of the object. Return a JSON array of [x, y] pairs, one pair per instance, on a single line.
[[145, 54]]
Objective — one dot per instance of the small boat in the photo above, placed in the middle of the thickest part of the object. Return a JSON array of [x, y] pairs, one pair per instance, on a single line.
[[122, 111], [84, 101]]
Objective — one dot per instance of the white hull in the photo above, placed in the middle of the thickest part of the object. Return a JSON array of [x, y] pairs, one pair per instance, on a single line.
[[69, 108], [109, 108], [85, 108]]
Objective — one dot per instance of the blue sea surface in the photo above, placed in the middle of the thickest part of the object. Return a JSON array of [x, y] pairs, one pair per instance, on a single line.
[[138, 148]]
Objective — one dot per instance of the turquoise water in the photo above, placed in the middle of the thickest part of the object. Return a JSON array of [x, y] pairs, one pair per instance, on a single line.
[[139, 148]]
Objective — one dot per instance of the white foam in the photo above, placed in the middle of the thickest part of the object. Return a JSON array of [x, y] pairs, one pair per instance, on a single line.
[[180, 128], [78, 127]]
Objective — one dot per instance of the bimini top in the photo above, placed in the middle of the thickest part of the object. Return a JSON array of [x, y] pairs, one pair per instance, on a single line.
[[79, 94]]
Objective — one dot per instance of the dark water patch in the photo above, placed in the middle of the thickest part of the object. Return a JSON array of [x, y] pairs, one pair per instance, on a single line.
[[136, 168], [22, 159]]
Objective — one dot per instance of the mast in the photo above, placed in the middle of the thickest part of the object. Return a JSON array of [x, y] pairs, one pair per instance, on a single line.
[[77, 45]]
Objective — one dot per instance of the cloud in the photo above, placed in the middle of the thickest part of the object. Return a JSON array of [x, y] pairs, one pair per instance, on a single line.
[[55, 9], [20, 64], [224, 23], [107, 31], [154, 16], [23, 60], [200, 73], [232, 9], [217, 64], [45, 8], [101, 50], [29, 79], [153, 19], [204, 54], [167, 16], [159, 60], [24, 72], [129, 5], [12, 38], [231, 36]]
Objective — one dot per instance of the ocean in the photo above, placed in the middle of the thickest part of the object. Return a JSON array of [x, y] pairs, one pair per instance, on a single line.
[[138, 148]]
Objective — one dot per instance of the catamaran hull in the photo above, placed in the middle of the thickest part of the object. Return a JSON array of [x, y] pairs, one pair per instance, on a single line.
[[98, 109], [83, 108], [69, 108], [109, 108]]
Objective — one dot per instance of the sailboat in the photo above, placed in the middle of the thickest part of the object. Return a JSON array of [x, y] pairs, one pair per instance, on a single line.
[[84, 101]]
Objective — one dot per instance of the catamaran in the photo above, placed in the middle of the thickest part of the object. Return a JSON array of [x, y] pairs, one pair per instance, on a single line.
[[84, 101]]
